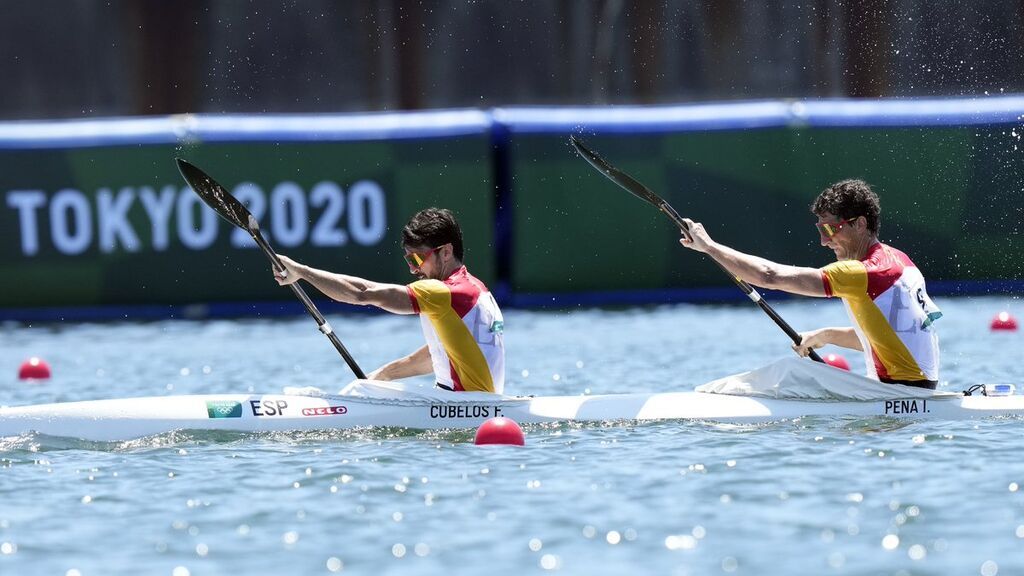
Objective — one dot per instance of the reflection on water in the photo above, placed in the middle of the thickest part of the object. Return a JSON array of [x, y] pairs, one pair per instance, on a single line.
[[805, 496]]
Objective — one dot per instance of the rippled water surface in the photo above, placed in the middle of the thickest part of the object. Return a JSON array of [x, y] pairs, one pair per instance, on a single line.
[[810, 496]]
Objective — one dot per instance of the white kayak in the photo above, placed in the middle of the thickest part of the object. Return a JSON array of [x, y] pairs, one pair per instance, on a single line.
[[786, 389]]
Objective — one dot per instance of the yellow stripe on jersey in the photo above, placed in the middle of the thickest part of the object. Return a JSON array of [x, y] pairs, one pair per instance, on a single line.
[[847, 278], [432, 296], [887, 346]]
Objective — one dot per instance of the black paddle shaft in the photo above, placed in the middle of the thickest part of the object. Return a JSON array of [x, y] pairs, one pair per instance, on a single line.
[[631, 185], [229, 208]]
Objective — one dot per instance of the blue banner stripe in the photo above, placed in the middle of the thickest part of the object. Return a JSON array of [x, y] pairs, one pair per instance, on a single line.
[[188, 129], [191, 129]]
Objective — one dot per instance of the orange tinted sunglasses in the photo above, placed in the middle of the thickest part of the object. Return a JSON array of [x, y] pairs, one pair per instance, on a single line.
[[829, 229], [416, 259]]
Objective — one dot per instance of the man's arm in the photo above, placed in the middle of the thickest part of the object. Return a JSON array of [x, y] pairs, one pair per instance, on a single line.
[[753, 269], [349, 289], [414, 364], [845, 337]]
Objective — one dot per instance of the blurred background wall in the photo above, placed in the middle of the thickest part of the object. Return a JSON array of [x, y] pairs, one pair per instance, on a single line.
[[85, 58], [270, 96]]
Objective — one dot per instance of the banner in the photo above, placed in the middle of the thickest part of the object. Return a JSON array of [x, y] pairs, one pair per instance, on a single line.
[[950, 184], [94, 213], [118, 225]]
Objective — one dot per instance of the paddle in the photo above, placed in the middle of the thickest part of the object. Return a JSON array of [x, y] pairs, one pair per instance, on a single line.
[[644, 193], [233, 211]]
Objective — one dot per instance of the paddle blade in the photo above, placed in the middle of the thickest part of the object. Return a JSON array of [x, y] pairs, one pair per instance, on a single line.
[[215, 195], [615, 175], [233, 211], [629, 184]]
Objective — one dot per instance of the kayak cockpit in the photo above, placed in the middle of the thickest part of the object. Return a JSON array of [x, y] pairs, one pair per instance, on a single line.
[[800, 379]]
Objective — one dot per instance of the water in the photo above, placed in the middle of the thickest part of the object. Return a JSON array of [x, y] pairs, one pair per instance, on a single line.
[[810, 496]]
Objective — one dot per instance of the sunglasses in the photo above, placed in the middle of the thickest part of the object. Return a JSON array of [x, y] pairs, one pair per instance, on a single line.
[[416, 259], [829, 229]]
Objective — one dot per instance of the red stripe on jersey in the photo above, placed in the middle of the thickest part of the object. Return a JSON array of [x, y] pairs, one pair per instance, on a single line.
[[880, 370], [412, 298], [884, 266], [455, 378], [465, 291]]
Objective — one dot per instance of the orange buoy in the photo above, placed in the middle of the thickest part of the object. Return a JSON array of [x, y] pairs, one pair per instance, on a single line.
[[1004, 321], [500, 430], [837, 361], [34, 368]]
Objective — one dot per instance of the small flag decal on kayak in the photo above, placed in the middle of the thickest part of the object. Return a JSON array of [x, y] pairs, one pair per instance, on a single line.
[[223, 409]]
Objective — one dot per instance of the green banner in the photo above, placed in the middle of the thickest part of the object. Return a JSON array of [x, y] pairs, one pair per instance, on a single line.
[[949, 195], [118, 225]]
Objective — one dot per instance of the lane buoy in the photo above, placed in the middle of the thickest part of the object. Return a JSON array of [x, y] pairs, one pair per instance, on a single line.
[[34, 368], [500, 430], [1003, 321], [837, 361]]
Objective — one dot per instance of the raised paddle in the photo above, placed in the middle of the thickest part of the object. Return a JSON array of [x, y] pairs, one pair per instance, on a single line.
[[628, 183], [233, 211]]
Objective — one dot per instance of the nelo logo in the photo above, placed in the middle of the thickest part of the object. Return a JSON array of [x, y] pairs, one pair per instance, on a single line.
[[324, 411]]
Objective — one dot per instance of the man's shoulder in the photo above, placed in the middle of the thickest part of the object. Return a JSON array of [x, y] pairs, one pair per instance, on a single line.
[[427, 286], [886, 256], [462, 277], [843, 266]]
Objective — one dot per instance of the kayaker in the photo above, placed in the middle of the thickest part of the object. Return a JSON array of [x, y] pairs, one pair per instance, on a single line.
[[461, 322], [884, 292]]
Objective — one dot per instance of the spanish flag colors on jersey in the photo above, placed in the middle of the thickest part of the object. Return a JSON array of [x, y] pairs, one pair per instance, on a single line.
[[463, 328], [885, 296]]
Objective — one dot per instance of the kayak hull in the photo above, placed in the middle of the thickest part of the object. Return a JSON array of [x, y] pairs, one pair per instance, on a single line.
[[130, 418]]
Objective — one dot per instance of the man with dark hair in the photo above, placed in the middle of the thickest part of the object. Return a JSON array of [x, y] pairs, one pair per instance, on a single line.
[[883, 291], [461, 321]]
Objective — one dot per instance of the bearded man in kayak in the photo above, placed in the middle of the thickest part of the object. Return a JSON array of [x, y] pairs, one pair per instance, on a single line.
[[883, 291], [461, 322]]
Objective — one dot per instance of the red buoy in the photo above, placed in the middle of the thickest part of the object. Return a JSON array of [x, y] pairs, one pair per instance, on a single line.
[[837, 361], [1004, 321], [34, 369], [500, 430]]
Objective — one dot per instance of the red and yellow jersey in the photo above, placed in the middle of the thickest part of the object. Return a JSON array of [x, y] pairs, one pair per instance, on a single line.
[[463, 327], [885, 296]]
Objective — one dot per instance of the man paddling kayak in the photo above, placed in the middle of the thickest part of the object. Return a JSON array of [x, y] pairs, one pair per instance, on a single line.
[[461, 322], [884, 292]]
